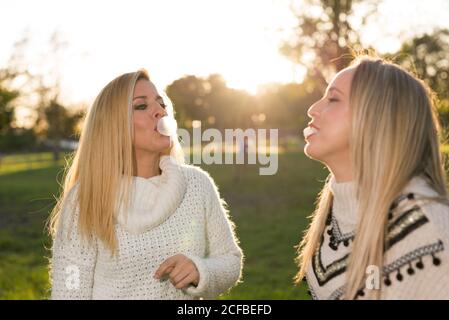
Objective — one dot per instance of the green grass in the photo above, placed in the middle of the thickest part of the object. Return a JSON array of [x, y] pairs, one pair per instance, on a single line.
[[30, 161], [26, 199], [269, 212]]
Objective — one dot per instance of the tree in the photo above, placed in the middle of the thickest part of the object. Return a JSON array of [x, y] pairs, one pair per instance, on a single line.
[[210, 101], [187, 95], [324, 36], [230, 108], [60, 124], [55, 115], [285, 105], [428, 57], [9, 94]]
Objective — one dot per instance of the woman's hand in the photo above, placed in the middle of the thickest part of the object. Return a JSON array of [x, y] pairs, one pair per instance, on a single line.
[[181, 271]]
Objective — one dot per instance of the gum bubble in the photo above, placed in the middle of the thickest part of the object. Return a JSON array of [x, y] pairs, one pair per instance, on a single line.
[[167, 126]]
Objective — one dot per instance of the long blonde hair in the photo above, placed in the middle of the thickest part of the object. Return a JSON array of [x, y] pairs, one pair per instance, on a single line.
[[395, 136], [104, 160]]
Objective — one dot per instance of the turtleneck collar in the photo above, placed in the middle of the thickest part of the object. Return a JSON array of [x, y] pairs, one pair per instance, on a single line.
[[153, 199], [345, 204], [144, 181], [420, 186]]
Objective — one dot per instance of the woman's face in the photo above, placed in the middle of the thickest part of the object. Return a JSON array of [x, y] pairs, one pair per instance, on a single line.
[[148, 108], [328, 133]]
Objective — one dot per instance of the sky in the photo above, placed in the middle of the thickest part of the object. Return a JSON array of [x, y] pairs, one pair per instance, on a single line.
[[239, 39]]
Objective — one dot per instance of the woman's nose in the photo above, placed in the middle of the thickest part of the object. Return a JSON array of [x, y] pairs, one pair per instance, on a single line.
[[313, 110], [160, 112]]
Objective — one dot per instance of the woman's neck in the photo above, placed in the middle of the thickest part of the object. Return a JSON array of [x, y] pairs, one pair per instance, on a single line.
[[341, 177], [345, 204], [147, 164], [342, 171]]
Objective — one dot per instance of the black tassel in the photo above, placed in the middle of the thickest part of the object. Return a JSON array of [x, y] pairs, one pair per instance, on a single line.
[[399, 275], [436, 261], [333, 246], [410, 269], [387, 281], [393, 205], [346, 242], [420, 264]]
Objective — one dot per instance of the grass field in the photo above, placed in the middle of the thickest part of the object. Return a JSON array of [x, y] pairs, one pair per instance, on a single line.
[[269, 211]]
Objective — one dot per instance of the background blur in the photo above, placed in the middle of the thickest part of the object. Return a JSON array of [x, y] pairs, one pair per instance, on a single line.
[[229, 64]]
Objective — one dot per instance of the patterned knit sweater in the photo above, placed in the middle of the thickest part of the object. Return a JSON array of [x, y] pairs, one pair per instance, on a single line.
[[416, 259], [179, 211]]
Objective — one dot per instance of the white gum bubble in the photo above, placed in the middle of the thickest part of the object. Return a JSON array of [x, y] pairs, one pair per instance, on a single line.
[[167, 126]]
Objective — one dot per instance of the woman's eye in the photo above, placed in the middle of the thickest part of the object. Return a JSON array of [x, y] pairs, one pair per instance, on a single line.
[[163, 105], [140, 107]]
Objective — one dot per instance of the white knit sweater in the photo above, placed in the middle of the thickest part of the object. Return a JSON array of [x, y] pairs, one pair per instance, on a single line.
[[416, 261], [178, 212]]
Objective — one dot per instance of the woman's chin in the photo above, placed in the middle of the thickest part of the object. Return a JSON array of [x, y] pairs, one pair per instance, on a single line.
[[157, 145], [164, 143], [310, 151]]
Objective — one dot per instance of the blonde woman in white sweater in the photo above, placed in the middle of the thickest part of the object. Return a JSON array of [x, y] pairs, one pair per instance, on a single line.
[[132, 221], [381, 226]]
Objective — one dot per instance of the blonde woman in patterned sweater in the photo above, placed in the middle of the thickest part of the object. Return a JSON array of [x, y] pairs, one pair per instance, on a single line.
[[132, 221], [380, 230]]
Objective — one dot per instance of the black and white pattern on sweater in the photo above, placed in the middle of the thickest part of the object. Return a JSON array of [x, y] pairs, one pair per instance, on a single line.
[[399, 200], [310, 290], [336, 236], [324, 274], [337, 294], [398, 229], [405, 224], [395, 267], [411, 257]]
